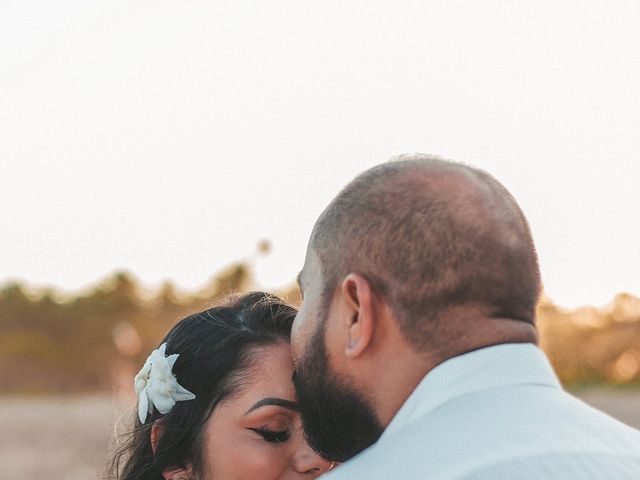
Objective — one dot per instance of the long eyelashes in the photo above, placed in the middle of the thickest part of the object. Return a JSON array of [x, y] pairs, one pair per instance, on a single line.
[[272, 436]]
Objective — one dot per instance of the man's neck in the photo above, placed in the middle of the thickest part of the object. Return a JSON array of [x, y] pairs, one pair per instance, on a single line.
[[405, 368]]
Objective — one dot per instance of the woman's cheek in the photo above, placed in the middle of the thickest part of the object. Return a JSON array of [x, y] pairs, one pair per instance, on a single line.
[[268, 462], [255, 461]]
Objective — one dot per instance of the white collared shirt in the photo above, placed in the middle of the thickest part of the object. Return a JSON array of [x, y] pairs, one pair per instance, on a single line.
[[498, 413]]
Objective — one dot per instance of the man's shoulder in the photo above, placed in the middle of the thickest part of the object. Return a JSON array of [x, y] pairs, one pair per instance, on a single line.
[[559, 466], [494, 427]]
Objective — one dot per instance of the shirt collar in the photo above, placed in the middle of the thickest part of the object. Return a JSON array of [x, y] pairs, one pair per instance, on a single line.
[[496, 366]]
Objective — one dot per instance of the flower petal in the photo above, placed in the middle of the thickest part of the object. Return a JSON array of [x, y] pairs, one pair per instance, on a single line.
[[164, 403], [182, 394], [143, 406], [140, 380], [171, 360], [156, 385]]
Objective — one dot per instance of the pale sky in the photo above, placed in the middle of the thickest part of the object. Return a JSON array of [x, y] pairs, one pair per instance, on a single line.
[[168, 137]]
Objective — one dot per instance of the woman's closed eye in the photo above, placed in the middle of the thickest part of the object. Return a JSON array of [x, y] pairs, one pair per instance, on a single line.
[[273, 436]]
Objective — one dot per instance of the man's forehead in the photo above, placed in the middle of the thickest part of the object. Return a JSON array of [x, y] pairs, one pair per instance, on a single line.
[[311, 271], [311, 265], [304, 274]]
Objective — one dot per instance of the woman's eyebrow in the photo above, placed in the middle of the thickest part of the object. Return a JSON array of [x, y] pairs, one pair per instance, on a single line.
[[280, 402]]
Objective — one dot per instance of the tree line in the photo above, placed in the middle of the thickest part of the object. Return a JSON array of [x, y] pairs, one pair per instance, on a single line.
[[96, 340]]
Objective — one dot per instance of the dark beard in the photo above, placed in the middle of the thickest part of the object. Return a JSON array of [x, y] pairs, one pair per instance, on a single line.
[[338, 421]]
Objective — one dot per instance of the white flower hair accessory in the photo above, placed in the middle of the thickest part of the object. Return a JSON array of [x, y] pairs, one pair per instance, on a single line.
[[156, 386]]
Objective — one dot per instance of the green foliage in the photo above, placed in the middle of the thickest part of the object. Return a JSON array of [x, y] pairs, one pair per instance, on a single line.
[[84, 343], [98, 340], [590, 345]]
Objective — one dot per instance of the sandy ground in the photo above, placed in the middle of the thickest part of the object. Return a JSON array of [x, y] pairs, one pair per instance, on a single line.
[[64, 438], [67, 438]]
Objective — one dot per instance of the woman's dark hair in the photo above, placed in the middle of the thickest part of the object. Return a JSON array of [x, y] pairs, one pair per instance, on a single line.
[[216, 349]]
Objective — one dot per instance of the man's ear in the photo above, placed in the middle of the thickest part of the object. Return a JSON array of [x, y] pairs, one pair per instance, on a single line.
[[357, 294], [169, 473]]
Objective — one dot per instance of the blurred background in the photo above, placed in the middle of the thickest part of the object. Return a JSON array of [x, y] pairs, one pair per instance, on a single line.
[[156, 155]]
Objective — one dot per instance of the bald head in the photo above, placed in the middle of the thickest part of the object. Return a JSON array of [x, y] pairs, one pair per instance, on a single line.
[[439, 240]]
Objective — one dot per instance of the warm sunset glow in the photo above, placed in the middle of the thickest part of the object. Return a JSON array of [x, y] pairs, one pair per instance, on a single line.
[[167, 138]]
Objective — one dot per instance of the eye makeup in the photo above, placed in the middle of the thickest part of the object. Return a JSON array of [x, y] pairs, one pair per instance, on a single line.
[[272, 435]]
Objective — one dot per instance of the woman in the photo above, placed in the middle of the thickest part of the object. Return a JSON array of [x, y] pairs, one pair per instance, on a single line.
[[216, 400]]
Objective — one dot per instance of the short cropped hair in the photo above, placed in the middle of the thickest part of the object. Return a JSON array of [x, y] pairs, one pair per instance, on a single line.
[[434, 238]]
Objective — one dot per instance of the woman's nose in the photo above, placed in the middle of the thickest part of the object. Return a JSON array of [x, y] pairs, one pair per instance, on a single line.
[[309, 462]]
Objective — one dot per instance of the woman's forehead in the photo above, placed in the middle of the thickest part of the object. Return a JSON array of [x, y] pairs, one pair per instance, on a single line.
[[271, 372]]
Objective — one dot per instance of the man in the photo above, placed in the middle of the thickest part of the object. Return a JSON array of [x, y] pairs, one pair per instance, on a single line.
[[416, 342]]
